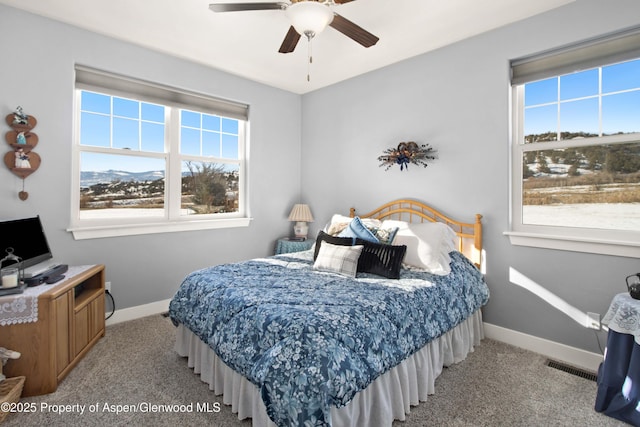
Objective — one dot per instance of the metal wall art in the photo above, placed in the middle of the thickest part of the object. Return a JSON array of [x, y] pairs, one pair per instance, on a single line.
[[405, 153]]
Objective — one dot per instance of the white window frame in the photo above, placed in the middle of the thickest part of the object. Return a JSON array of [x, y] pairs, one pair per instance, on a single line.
[[589, 54], [113, 85]]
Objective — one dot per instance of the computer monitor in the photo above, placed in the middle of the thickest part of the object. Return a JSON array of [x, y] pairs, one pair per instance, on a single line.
[[26, 237]]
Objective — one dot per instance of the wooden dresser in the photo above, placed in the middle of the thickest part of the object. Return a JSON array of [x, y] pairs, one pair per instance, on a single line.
[[71, 319]]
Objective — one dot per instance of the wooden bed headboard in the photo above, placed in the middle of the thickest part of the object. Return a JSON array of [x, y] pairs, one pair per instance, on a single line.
[[469, 234]]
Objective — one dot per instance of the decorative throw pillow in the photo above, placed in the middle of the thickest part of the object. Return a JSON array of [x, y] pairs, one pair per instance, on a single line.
[[384, 235], [428, 246], [381, 259], [339, 222], [336, 228], [324, 237], [338, 259], [357, 229]]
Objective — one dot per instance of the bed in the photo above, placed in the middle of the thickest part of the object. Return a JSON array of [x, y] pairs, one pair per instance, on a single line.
[[296, 339]]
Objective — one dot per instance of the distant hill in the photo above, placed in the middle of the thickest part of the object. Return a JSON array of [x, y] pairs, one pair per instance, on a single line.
[[87, 179]]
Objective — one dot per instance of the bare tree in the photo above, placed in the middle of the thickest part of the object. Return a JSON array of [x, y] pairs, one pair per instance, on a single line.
[[207, 184]]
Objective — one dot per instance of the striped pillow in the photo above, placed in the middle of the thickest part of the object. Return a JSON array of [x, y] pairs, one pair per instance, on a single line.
[[380, 259]]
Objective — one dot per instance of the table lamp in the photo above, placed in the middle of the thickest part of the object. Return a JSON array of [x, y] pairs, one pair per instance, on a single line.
[[302, 215]]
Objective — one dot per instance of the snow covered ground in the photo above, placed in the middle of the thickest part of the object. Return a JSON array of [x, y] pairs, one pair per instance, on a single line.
[[612, 216]]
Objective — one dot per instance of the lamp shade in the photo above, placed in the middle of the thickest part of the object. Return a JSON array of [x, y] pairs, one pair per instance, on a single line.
[[309, 17], [301, 213]]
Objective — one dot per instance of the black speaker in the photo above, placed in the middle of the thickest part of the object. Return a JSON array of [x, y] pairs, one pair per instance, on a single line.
[[50, 276]]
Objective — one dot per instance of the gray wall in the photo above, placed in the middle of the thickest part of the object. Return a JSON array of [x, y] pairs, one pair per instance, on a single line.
[[456, 99], [37, 73]]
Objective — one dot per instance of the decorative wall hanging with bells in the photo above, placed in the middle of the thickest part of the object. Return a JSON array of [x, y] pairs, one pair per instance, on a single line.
[[21, 160]]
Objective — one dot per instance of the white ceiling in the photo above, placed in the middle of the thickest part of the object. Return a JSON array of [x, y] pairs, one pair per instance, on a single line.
[[247, 43]]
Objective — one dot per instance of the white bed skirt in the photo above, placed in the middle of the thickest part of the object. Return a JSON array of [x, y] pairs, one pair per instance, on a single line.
[[388, 398]]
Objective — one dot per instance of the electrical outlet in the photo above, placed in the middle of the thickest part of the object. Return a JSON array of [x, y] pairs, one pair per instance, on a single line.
[[593, 321], [107, 286]]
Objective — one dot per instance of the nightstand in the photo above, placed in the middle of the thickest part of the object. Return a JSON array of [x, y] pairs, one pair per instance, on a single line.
[[285, 245]]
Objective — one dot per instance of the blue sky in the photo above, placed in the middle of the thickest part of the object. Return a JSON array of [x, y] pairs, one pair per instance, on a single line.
[[140, 127], [578, 98]]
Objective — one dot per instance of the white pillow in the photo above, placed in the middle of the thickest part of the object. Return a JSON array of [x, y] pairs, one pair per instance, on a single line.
[[433, 231], [393, 223], [338, 259], [428, 246]]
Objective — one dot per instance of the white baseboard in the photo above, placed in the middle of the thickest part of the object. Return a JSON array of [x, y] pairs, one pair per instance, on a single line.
[[551, 349], [570, 355], [139, 311]]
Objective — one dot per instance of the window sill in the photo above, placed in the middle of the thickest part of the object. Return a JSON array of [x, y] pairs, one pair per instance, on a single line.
[[97, 232], [575, 244]]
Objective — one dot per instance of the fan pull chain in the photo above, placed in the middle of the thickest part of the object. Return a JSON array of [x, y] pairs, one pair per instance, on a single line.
[[310, 60]]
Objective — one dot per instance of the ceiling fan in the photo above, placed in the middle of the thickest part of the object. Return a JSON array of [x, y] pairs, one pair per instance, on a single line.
[[308, 17]]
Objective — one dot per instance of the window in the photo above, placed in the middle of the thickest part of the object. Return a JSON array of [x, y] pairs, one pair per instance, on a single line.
[[576, 148], [149, 159]]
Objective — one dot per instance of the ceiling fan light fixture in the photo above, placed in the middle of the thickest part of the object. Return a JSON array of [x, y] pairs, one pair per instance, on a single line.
[[309, 17]]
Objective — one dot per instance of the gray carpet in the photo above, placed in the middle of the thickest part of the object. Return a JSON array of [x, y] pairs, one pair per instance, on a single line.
[[498, 385]]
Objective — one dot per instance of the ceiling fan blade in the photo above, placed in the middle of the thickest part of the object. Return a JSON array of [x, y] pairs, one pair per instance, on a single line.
[[240, 7], [290, 41], [342, 1], [353, 31]]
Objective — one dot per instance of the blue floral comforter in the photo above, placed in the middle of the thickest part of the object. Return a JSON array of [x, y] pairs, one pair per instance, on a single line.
[[310, 339]]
